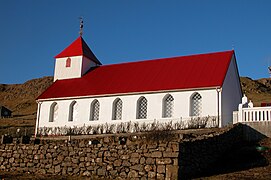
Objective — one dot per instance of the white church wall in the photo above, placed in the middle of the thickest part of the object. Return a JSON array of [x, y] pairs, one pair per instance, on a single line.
[[154, 108], [63, 72], [231, 93]]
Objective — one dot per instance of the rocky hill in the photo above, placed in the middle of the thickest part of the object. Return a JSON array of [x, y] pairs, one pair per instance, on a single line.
[[257, 90], [20, 98]]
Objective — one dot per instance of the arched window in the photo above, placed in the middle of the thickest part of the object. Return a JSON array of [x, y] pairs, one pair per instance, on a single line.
[[117, 109], [53, 112], [73, 113], [94, 110], [168, 103], [196, 104], [68, 62], [142, 104]]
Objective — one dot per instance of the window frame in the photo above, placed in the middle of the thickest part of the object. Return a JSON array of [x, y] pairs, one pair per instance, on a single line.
[[165, 107], [139, 109], [115, 108], [52, 113], [92, 110], [193, 112]]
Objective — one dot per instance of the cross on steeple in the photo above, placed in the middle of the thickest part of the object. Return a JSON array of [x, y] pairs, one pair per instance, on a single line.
[[81, 26]]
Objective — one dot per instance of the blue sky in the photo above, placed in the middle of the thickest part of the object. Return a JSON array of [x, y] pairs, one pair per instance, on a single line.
[[33, 32]]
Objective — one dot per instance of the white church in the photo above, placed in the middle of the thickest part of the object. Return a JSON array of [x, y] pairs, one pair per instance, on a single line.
[[85, 92]]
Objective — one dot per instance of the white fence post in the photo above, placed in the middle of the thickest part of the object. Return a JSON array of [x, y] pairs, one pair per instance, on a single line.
[[254, 114]]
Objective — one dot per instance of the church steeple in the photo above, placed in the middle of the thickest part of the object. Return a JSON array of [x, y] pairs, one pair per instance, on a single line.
[[75, 60], [78, 48]]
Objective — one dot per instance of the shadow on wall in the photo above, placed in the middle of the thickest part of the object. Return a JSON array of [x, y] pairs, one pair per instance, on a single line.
[[226, 153], [252, 131]]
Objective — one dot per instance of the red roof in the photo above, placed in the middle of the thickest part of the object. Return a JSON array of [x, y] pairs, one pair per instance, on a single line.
[[77, 48], [176, 73]]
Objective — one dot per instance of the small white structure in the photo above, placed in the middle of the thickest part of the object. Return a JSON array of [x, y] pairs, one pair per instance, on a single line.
[[85, 92], [248, 113]]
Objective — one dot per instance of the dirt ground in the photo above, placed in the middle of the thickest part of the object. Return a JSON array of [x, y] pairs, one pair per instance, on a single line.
[[245, 162]]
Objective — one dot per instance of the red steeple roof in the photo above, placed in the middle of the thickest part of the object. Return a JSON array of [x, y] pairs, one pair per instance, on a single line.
[[176, 73], [77, 48]]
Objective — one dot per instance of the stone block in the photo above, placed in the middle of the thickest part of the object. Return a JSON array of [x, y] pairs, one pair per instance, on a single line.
[[87, 173], [174, 146], [126, 163], [11, 160], [160, 176], [163, 161], [106, 140], [64, 171], [109, 167], [101, 172], [152, 146], [100, 154], [117, 162], [137, 167], [132, 174], [134, 155], [125, 157], [151, 175], [148, 168], [161, 169], [57, 169], [157, 154], [82, 159], [134, 160], [75, 161], [123, 175], [162, 145], [81, 165], [142, 160], [16, 156], [107, 153], [147, 154], [170, 154], [22, 165], [150, 161], [171, 172], [51, 171], [30, 164], [113, 173]]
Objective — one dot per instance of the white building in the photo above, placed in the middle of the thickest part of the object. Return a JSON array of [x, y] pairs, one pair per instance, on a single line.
[[85, 92]]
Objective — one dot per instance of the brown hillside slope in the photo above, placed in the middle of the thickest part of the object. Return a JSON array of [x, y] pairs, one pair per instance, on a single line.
[[257, 90], [20, 98]]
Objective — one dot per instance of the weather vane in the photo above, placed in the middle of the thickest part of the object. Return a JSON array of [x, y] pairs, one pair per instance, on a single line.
[[81, 26]]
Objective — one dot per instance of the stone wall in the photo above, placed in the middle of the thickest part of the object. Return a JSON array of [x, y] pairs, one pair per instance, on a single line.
[[155, 155], [100, 157]]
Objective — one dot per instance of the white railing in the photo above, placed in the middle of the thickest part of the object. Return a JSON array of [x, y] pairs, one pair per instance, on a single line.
[[253, 114]]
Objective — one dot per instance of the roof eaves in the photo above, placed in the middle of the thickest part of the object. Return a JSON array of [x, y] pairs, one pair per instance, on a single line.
[[130, 93]]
